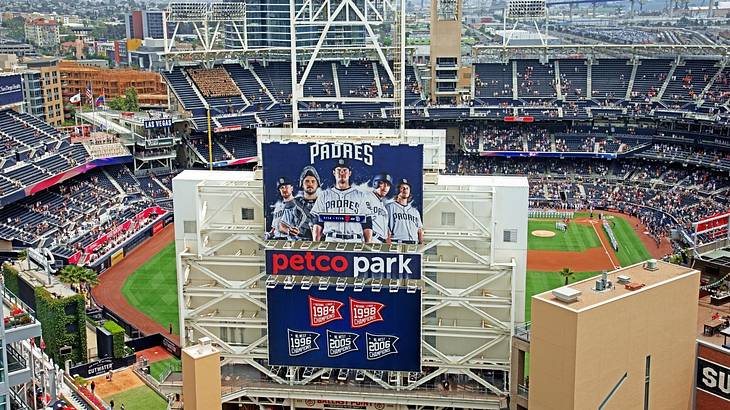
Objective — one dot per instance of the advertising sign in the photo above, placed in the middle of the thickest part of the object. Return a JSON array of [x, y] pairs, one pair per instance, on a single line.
[[11, 89], [713, 378], [345, 329], [343, 192], [343, 264], [158, 123]]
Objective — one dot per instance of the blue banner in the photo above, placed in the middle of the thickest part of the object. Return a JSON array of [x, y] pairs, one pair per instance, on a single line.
[[343, 192], [11, 89], [366, 265], [535, 154], [345, 329], [158, 123]]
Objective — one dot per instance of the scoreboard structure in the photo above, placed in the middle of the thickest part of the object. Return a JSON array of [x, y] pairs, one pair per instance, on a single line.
[[348, 321]]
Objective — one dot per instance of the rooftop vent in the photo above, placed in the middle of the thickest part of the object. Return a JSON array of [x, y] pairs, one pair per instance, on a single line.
[[634, 286], [650, 265], [623, 279], [567, 294]]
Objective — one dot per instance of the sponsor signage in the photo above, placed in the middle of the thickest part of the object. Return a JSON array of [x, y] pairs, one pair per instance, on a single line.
[[345, 329], [343, 264], [519, 119], [158, 123], [11, 89], [227, 128], [343, 192], [713, 378], [341, 404]]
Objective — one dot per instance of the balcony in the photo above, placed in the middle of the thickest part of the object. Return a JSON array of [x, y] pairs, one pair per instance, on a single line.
[[19, 319], [18, 369]]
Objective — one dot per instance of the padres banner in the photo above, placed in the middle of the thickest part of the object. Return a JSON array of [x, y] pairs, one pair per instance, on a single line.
[[117, 256], [343, 192], [345, 329]]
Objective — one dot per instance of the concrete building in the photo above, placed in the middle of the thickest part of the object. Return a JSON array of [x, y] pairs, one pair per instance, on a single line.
[[42, 33], [15, 351], [42, 89], [17, 48], [445, 50], [623, 341]]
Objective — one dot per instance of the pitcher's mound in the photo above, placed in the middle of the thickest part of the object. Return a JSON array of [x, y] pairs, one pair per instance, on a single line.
[[543, 234]]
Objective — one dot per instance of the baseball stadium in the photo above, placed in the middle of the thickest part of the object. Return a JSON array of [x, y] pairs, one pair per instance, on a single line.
[[501, 176]]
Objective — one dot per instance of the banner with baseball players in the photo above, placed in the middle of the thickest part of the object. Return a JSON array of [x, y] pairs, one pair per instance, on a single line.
[[344, 329], [343, 192]]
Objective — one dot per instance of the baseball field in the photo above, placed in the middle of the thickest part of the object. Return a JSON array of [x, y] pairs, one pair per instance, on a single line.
[[584, 248]]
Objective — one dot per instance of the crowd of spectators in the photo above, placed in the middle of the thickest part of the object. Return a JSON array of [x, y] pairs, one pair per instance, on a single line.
[[664, 196], [214, 82]]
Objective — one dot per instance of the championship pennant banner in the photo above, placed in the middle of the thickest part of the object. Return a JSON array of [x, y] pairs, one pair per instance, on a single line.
[[365, 265], [345, 329]]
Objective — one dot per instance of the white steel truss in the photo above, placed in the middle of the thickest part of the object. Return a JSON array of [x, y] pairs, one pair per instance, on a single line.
[[208, 21], [467, 310], [368, 17]]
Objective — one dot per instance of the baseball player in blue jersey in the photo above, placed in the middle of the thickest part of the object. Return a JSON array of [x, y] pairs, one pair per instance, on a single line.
[[404, 220], [376, 201], [286, 190], [342, 200], [298, 220]]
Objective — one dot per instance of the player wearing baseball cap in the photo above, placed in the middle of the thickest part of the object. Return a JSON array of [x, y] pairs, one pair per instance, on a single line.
[[342, 201], [298, 220], [286, 190], [404, 220], [376, 200]]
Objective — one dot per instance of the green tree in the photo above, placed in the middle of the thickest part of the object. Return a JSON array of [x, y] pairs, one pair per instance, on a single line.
[[567, 274], [78, 276], [130, 95]]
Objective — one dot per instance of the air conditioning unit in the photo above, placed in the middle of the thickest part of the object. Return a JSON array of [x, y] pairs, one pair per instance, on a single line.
[[567, 294], [651, 265], [623, 279]]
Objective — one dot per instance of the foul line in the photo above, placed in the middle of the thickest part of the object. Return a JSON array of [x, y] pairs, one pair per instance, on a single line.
[[593, 224]]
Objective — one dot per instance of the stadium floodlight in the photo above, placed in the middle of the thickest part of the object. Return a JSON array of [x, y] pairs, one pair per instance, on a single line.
[[526, 9], [227, 11], [187, 12]]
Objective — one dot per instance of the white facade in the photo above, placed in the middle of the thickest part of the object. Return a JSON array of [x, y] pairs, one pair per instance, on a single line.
[[473, 293]]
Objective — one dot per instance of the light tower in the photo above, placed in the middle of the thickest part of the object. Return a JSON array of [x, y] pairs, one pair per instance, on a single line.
[[527, 12], [445, 50]]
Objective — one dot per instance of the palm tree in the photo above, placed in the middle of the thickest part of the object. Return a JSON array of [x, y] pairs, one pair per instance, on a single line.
[[567, 274], [79, 276], [23, 256]]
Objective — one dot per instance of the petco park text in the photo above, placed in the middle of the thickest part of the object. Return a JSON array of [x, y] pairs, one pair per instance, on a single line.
[[343, 264]]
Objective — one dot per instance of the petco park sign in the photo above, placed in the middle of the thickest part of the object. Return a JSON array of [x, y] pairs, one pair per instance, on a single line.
[[343, 264]]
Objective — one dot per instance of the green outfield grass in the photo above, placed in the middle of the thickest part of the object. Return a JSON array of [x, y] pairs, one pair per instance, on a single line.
[[153, 289], [138, 398], [631, 250], [576, 239], [538, 282], [157, 368]]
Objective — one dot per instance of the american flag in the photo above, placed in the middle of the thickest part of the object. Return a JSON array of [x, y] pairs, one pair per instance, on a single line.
[[89, 95]]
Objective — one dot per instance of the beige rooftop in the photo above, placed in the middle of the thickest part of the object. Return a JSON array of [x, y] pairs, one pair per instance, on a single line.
[[589, 298]]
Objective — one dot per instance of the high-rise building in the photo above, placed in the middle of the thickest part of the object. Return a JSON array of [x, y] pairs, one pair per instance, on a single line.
[[42, 90], [142, 24]]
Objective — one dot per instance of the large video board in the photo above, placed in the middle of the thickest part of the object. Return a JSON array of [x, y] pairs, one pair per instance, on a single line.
[[343, 192], [345, 328]]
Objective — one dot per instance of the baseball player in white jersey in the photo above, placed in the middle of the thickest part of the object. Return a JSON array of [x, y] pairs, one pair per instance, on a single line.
[[298, 220], [404, 220], [376, 201], [286, 190], [342, 200]]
